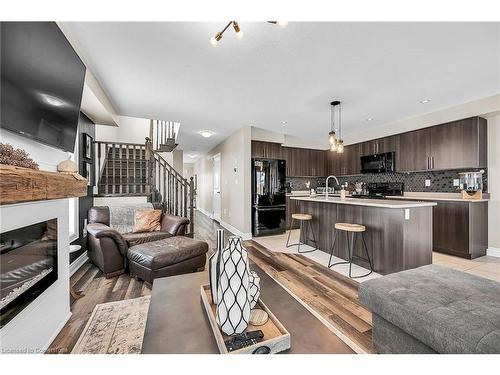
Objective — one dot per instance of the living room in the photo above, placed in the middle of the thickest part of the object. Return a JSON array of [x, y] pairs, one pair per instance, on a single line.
[[322, 185]]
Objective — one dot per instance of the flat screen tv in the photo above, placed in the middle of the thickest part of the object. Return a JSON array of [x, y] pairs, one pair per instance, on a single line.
[[41, 83]]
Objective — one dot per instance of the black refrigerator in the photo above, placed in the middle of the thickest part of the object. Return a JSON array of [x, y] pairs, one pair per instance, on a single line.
[[268, 197]]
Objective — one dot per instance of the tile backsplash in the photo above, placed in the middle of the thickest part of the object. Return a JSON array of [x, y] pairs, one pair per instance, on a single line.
[[441, 181]]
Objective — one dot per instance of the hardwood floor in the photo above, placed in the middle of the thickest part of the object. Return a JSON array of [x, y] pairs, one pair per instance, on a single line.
[[331, 296], [97, 289]]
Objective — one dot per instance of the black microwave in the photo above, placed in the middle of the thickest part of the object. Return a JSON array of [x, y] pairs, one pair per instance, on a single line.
[[378, 163]]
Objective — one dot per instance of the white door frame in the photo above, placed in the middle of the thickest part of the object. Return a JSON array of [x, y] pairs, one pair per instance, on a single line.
[[216, 192]]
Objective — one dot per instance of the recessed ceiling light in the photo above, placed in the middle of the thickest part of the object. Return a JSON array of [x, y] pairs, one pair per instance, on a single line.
[[206, 133], [423, 101], [283, 122], [192, 156], [369, 119]]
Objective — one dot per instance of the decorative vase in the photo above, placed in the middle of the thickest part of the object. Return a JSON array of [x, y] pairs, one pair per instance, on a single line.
[[214, 266], [254, 289], [233, 307]]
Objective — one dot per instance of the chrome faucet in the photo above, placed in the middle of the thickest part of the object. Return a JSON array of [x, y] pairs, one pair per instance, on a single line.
[[327, 179]]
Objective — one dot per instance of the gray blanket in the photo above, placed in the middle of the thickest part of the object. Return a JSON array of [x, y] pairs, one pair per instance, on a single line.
[[121, 218]]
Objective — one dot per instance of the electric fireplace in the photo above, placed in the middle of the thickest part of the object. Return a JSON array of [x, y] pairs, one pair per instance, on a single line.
[[28, 266]]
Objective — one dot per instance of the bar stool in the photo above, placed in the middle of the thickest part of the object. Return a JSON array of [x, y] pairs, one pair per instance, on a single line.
[[352, 229], [307, 218]]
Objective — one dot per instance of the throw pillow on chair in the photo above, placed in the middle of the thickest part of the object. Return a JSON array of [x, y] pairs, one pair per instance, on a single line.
[[147, 221]]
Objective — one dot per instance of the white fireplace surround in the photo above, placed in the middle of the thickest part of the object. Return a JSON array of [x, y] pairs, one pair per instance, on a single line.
[[35, 327]]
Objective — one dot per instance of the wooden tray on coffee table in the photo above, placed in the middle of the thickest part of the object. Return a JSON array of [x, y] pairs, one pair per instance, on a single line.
[[276, 337]]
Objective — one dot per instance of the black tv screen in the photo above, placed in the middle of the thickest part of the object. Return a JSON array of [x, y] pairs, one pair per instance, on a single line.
[[41, 83]]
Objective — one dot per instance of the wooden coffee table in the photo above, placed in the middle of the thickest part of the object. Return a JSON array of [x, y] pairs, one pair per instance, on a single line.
[[177, 322]]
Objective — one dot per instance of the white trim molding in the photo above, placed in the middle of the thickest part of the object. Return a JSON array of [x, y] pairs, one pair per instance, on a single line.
[[80, 261], [205, 212], [235, 231], [493, 252]]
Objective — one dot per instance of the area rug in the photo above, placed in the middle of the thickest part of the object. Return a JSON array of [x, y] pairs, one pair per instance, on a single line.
[[115, 328]]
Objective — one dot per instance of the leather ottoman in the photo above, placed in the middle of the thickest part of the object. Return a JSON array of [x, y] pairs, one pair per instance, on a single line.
[[166, 257]]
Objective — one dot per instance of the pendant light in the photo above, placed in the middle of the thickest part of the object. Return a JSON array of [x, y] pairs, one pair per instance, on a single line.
[[340, 141], [332, 137], [335, 138]]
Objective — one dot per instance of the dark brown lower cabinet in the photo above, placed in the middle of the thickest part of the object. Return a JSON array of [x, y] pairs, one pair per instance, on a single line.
[[461, 228], [292, 206]]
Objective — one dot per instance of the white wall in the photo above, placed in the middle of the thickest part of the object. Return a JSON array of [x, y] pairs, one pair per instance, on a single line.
[[135, 130], [494, 182], [129, 130], [259, 134], [35, 327], [480, 107], [47, 157], [235, 182], [38, 324]]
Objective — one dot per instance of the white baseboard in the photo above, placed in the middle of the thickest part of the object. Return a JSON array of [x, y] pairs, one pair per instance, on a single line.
[[204, 212], [493, 252], [235, 231], [80, 261], [61, 326]]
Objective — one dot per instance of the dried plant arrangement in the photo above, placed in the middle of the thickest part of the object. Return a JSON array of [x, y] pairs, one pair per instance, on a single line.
[[16, 157]]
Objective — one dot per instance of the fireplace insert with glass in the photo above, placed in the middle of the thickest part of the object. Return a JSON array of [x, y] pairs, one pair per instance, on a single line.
[[28, 266]]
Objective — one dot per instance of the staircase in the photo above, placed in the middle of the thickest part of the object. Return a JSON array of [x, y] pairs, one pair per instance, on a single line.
[[131, 170]]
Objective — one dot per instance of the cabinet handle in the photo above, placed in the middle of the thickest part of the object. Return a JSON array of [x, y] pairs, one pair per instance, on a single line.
[[432, 162]]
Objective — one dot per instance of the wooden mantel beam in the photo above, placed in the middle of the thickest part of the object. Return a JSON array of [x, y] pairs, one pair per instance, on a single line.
[[24, 185]]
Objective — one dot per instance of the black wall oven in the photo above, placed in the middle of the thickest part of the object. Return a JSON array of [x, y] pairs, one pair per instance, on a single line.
[[378, 163]]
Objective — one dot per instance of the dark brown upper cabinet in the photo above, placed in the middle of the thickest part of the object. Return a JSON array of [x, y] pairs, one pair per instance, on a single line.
[[350, 162], [333, 163], [454, 145], [269, 150], [459, 144], [414, 151], [303, 162], [379, 146]]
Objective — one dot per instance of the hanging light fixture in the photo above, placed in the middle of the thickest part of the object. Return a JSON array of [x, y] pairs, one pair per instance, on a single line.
[[332, 136], [239, 34], [335, 134]]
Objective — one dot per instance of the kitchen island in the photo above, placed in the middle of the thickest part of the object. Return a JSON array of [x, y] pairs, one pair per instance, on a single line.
[[398, 233]]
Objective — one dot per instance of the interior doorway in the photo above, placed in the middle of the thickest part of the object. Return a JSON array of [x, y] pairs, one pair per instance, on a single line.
[[216, 201]]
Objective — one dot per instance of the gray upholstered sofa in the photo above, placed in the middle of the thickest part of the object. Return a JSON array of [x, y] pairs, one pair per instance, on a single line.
[[433, 309]]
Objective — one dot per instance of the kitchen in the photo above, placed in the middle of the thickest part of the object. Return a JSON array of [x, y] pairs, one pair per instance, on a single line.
[[421, 167]]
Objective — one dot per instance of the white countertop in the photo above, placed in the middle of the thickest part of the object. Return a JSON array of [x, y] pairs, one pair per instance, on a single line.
[[383, 203], [436, 197]]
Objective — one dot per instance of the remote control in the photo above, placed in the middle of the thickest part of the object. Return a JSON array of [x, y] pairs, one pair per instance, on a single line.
[[244, 339]]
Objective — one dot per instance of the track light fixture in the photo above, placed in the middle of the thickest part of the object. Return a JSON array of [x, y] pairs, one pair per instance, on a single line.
[[279, 23], [239, 34]]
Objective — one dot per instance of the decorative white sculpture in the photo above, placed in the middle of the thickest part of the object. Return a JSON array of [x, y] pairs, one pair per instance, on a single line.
[[254, 289], [213, 265], [233, 307]]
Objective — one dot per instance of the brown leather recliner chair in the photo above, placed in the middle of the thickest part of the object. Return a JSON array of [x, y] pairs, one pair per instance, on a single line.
[[107, 247]]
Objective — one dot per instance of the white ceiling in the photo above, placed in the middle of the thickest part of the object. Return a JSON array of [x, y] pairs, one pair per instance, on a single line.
[[170, 71]]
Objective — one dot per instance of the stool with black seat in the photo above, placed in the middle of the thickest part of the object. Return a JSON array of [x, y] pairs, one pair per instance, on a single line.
[[352, 229], [302, 218]]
